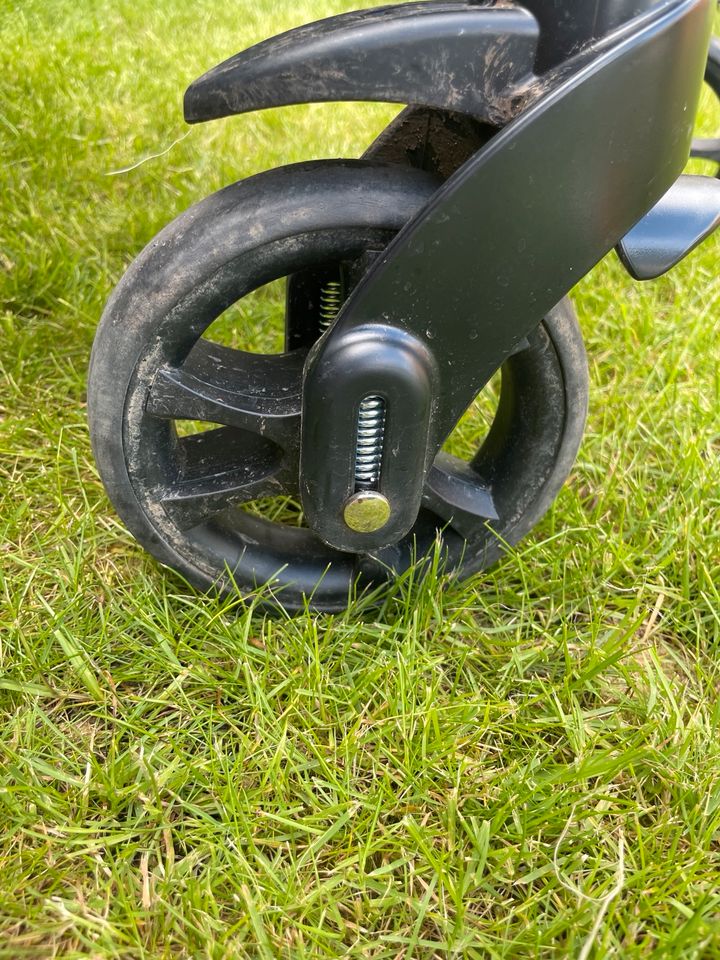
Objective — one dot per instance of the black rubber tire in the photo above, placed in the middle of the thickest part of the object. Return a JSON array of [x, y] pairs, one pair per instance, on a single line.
[[708, 148], [223, 247]]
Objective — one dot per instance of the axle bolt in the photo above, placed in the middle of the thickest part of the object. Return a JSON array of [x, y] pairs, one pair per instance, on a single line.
[[367, 511]]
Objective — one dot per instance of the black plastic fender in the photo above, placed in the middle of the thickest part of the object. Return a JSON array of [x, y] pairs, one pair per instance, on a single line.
[[455, 56]]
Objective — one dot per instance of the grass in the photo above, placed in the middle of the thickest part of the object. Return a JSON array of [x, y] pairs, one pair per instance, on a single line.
[[527, 764]]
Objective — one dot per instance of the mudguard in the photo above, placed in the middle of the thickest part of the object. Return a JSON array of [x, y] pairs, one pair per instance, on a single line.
[[459, 57]]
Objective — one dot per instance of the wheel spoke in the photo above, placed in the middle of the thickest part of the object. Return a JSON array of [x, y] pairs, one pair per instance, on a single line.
[[224, 468], [455, 493], [255, 392]]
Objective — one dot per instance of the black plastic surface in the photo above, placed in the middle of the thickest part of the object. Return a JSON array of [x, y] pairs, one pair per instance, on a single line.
[[457, 56], [405, 368], [687, 214], [565, 27]]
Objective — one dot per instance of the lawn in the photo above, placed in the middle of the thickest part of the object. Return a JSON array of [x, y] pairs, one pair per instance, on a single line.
[[523, 765]]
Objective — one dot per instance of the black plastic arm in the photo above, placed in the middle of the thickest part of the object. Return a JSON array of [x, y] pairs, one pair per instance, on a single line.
[[498, 245], [456, 56], [565, 27]]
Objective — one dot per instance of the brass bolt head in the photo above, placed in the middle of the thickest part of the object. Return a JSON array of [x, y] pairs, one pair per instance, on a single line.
[[367, 511]]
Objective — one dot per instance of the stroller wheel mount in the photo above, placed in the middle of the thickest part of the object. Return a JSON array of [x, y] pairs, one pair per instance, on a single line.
[[411, 278], [189, 498]]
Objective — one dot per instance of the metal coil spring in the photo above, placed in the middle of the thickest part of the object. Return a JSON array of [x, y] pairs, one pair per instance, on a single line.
[[369, 449], [371, 415], [331, 299]]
